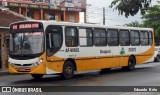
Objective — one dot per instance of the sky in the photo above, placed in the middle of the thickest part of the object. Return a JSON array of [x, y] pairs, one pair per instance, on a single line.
[[95, 13]]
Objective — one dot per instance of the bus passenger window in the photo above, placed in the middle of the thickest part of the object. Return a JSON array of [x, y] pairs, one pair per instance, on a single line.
[[85, 37], [144, 38], [112, 36], [124, 37], [134, 38], [100, 37], [71, 37]]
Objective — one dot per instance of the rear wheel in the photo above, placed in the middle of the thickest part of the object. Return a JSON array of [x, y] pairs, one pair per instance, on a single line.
[[131, 64], [68, 70], [37, 76]]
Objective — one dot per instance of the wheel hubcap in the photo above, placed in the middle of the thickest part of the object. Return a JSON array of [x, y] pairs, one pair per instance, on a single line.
[[68, 70]]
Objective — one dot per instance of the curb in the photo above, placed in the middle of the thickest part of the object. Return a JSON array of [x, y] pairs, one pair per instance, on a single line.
[[6, 73], [3, 73]]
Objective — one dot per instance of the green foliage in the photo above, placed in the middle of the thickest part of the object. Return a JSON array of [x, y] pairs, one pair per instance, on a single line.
[[130, 7], [134, 24], [151, 15], [152, 19]]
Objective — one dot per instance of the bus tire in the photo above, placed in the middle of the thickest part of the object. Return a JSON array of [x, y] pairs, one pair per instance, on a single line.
[[68, 70], [131, 64], [106, 70], [37, 76]]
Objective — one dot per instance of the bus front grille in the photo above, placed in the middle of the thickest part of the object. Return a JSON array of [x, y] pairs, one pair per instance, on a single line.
[[22, 65]]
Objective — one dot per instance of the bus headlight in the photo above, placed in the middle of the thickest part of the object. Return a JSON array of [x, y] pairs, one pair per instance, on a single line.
[[38, 62]]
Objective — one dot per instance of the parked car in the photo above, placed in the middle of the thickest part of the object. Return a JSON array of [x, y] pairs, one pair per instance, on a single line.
[[157, 54]]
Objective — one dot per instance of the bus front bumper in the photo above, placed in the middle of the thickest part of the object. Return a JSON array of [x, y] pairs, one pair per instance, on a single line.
[[40, 69]]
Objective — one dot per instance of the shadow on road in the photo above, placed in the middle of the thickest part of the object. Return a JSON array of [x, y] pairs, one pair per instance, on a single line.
[[54, 79]]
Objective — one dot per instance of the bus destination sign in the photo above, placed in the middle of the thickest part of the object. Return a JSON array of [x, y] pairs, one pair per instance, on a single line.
[[26, 26]]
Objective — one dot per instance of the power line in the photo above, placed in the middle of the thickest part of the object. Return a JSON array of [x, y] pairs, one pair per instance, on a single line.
[[99, 14]]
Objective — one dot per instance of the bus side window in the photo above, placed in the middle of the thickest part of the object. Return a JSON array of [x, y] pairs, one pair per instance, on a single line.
[[124, 37], [112, 37], [144, 38], [71, 37], [100, 38], [134, 38], [85, 37]]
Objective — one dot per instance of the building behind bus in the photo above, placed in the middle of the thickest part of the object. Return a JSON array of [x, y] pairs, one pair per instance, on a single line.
[[18, 10]]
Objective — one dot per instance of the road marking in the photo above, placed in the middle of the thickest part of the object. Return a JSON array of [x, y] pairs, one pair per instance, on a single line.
[[130, 93]]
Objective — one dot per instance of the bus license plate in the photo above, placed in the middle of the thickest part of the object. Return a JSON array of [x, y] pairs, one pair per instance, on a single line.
[[22, 69]]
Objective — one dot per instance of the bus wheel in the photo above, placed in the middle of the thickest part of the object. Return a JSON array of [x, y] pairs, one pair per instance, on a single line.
[[37, 76], [131, 64], [68, 70], [103, 71]]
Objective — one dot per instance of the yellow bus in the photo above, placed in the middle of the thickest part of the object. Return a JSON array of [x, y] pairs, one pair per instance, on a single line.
[[49, 47]]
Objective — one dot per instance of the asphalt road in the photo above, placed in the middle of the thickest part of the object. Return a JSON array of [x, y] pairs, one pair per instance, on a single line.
[[144, 75]]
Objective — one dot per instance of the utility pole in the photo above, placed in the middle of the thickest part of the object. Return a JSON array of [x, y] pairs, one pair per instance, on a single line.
[[104, 19], [86, 18]]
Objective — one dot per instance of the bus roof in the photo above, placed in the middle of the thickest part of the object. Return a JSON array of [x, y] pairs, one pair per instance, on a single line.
[[53, 22]]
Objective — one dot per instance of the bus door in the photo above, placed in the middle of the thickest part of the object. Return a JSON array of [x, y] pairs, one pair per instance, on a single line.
[[53, 41]]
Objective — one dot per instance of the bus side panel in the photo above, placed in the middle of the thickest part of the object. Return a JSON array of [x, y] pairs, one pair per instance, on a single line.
[[105, 63], [124, 60], [140, 59], [84, 64], [56, 67], [145, 56], [97, 63]]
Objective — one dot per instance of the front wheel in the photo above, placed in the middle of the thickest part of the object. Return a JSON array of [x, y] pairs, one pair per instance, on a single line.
[[68, 70], [131, 64], [37, 76]]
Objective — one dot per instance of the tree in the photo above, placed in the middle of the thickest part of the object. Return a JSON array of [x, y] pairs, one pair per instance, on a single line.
[[130, 7], [134, 24], [152, 19]]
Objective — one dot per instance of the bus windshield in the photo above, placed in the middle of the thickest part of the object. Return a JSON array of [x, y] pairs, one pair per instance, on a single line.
[[26, 43]]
